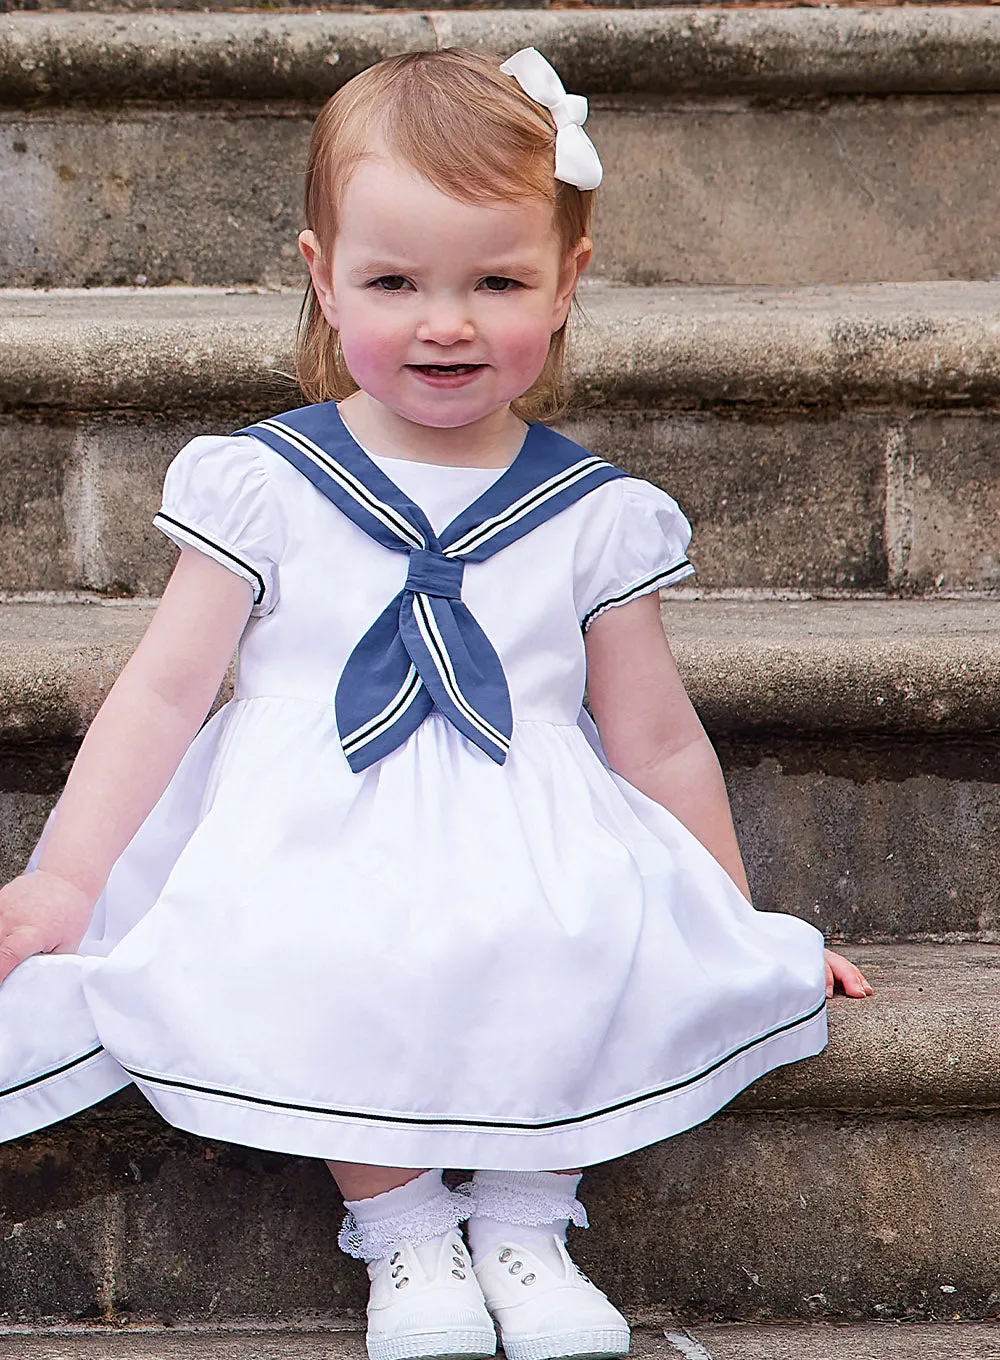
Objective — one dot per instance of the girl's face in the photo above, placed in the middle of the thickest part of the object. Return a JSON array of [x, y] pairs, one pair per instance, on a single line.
[[445, 309]]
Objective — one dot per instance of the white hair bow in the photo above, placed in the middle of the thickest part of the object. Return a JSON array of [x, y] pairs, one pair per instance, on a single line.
[[577, 161]]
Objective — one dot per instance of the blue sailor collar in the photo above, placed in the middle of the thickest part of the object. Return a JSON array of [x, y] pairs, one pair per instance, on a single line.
[[425, 650]]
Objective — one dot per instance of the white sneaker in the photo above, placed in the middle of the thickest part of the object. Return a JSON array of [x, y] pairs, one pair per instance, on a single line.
[[544, 1312], [425, 1301]]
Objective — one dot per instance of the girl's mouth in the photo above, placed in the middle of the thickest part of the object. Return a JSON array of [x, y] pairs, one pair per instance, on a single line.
[[446, 375], [443, 370]]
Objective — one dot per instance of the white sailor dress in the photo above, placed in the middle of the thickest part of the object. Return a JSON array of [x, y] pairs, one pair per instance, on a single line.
[[460, 941]]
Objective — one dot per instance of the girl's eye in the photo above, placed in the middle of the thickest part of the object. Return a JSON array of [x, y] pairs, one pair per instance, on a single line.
[[390, 283], [493, 283]]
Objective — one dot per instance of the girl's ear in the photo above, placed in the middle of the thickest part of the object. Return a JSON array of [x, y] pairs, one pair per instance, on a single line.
[[573, 265], [320, 271]]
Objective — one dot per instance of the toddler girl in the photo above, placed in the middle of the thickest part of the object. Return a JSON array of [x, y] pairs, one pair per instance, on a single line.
[[397, 906]]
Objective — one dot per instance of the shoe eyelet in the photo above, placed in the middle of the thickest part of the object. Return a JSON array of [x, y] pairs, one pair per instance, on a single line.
[[459, 1274], [394, 1258], [506, 1254], [518, 1265], [397, 1271], [404, 1281], [527, 1279]]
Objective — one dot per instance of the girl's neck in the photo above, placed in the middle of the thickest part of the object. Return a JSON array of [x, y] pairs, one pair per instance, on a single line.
[[492, 442]]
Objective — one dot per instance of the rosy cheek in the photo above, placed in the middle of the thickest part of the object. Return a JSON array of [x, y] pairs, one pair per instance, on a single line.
[[361, 357], [527, 351], [367, 343]]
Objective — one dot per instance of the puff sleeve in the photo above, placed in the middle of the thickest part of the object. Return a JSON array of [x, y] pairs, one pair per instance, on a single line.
[[644, 541], [217, 498]]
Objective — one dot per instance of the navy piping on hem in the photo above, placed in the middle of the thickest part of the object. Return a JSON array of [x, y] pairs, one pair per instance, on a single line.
[[640, 587], [203, 538], [498, 1125], [55, 1072]]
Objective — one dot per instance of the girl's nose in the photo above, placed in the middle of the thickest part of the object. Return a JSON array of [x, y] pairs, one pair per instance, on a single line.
[[446, 322]]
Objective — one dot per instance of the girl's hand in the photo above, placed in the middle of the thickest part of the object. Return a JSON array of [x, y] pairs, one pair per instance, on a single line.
[[40, 913], [850, 977]]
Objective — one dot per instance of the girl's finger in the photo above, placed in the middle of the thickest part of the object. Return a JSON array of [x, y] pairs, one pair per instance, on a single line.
[[854, 982], [19, 945]]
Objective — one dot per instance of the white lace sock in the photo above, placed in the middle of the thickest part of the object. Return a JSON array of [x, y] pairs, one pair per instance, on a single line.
[[419, 1211], [529, 1208]]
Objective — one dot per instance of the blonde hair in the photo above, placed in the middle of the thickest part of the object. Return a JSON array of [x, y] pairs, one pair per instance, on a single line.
[[473, 133]]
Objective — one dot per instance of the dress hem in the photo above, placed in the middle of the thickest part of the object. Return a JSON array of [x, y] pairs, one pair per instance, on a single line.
[[55, 1096], [385, 1141]]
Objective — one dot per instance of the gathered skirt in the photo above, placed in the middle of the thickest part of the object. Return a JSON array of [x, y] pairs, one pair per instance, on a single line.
[[439, 962]]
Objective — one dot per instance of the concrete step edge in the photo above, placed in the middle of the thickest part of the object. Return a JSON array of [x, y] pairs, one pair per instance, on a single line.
[[703, 1341], [61, 57], [823, 669], [909, 344]]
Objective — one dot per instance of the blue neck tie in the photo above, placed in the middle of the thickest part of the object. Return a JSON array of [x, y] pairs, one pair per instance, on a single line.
[[425, 650]]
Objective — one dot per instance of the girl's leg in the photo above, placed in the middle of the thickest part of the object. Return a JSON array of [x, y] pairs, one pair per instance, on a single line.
[[357, 1181], [387, 1205]]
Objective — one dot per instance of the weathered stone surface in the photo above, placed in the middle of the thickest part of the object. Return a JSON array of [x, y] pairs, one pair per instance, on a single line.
[[867, 666], [33, 539], [169, 351], [701, 1341], [871, 839], [144, 1342], [158, 195], [102, 57], [55, 1265], [916, 345], [191, 1229], [945, 495], [818, 1341], [913, 345], [804, 1216], [843, 191], [915, 1045], [22, 816], [695, 1341], [77, 502], [57, 664], [769, 506], [699, 192]]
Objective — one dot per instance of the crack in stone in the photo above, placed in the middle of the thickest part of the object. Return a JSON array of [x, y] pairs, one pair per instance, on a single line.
[[686, 1345]]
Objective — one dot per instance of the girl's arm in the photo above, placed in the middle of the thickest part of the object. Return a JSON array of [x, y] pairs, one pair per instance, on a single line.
[[654, 739], [127, 758]]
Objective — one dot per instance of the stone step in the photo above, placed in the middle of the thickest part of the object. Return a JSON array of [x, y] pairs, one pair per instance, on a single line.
[[821, 439], [707, 1341], [859, 741], [862, 1184], [760, 145]]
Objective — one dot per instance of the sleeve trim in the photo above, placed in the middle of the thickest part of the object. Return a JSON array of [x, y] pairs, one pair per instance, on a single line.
[[644, 587], [183, 534]]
